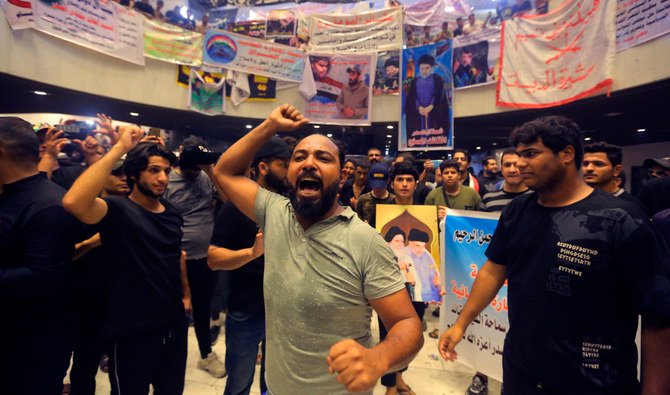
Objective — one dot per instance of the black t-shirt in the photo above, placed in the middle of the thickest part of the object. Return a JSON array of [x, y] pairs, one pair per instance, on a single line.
[[655, 195], [144, 250], [65, 176], [578, 276], [235, 231], [488, 184], [347, 193]]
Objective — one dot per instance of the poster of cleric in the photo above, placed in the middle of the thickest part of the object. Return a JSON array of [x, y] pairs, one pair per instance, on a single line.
[[341, 92], [426, 105]]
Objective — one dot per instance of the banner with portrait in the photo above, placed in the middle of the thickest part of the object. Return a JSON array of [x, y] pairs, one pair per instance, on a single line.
[[249, 28], [221, 17], [250, 55], [206, 92], [411, 232], [368, 31], [281, 24], [342, 83], [106, 27], [476, 58], [19, 13], [426, 106], [467, 234], [387, 75], [170, 43], [640, 21], [557, 58]]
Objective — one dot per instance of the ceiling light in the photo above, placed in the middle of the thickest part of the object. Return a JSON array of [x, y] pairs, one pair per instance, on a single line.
[[389, 127], [41, 93], [479, 147], [641, 130], [389, 135], [329, 135], [249, 126], [587, 138], [317, 126], [135, 114], [613, 114], [494, 144]]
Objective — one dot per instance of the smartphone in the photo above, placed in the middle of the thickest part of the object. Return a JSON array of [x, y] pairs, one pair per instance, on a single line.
[[154, 132], [73, 132]]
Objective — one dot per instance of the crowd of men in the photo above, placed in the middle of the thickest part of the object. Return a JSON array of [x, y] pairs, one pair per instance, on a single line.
[[114, 253]]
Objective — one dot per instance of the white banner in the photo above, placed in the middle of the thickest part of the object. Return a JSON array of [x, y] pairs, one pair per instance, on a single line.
[[105, 27], [640, 21], [19, 13], [557, 58], [368, 31], [476, 58]]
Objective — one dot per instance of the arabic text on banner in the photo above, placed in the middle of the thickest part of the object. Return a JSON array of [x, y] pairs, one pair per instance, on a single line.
[[466, 236], [640, 21], [343, 85], [171, 43], [104, 27], [250, 55], [19, 14], [476, 58], [427, 115], [557, 58], [368, 31]]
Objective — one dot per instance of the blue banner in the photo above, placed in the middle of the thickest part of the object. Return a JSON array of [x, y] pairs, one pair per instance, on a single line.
[[466, 236]]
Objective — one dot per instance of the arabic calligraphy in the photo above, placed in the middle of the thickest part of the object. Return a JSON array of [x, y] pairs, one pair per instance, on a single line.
[[477, 235], [377, 30]]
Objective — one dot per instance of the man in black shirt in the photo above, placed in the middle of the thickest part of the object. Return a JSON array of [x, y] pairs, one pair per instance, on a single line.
[[355, 187], [237, 245], [144, 321], [490, 178], [36, 239], [581, 265]]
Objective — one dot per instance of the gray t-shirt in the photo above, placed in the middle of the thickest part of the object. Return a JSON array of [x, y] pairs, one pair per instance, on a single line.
[[194, 200], [317, 286]]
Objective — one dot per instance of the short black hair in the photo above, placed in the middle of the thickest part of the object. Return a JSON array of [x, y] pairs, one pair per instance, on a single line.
[[19, 141], [450, 163], [426, 59], [465, 152], [193, 141], [507, 151], [403, 168], [486, 160], [555, 131], [364, 163], [614, 153], [137, 159], [374, 149]]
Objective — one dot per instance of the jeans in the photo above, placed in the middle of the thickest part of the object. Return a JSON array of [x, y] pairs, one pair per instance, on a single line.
[[220, 294], [243, 333], [201, 280]]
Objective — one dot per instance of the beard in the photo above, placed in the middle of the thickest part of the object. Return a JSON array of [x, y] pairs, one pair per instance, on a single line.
[[146, 190], [313, 208], [276, 183]]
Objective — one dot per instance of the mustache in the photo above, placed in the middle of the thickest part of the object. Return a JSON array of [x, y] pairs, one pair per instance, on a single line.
[[308, 175]]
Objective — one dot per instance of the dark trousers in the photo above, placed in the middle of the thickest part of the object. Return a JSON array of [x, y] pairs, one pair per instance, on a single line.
[[201, 279], [221, 292], [243, 333], [389, 379], [157, 358]]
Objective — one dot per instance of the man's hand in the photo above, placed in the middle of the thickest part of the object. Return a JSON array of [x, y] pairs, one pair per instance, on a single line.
[[53, 142], [129, 137], [104, 122], [448, 341], [188, 306], [353, 202], [286, 118], [441, 212], [257, 249], [357, 367], [89, 146], [428, 166], [348, 112]]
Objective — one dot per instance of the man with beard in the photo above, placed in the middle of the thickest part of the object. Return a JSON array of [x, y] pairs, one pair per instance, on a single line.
[[465, 71], [144, 323], [490, 177], [237, 245], [191, 191], [426, 105], [592, 264], [353, 101], [325, 271]]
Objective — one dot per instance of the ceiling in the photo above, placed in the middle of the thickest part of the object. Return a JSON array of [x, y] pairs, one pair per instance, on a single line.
[[615, 119]]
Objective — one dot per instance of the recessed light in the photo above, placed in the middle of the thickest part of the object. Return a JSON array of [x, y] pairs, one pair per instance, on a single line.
[[135, 114], [494, 144], [641, 130], [389, 127], [389, 135], [613, 114], [329, 135], [41, 93], [479, 147], [587, 138], [317, 126], [249, 126]]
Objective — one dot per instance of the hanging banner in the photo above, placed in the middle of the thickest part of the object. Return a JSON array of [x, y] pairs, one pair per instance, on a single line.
[[552, 59], [19, 13], [368, 31], [342, 83], [206, 92], [171, 43], [476, 58], [640, 21], [260, 88], [220, 18], [427, 113], [466, 236], [411, 232], [434, 12], [281, 23], [105, 27], [387, 75], [250, 55], [249, 28]]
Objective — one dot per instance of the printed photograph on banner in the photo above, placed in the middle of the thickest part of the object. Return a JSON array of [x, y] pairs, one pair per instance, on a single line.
[[206, 92], [281, 23], [387, 75], [427, 114], [249, 28], [476, 58], [343, 93], [466, 236], [411, 232]]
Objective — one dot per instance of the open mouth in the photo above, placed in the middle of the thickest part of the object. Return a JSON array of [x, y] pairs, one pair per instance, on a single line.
[[309, 187]]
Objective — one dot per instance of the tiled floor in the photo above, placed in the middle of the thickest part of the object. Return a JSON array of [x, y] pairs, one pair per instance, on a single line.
[[427, 375]]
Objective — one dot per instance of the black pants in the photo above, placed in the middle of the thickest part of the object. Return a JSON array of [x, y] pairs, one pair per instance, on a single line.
[[201, 280], [157, 358]]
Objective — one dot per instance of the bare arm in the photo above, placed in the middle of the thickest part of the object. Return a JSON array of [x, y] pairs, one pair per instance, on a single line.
[[220, 258], [81, 249], [53, 142], [655, 358], [487, 284], [231, 167], [82, 199], [185, 286]]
